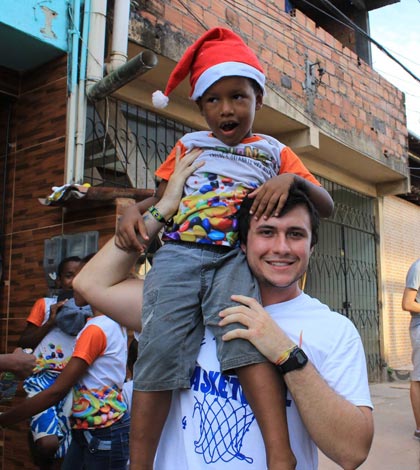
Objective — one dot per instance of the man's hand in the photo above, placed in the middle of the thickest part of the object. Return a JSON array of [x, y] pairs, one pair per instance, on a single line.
[[271, 196], [261, 330], [22, 363]]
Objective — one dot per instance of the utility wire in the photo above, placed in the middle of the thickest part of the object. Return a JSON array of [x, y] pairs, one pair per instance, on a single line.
[[355, 27], [275, 17]]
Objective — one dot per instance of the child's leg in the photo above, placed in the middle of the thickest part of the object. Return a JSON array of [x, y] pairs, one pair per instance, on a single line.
[[148, 415], [265, 391]]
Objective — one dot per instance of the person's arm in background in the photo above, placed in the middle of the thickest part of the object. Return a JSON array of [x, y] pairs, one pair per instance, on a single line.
[[69, 376], [340, 429], [412, 284], [103, 281], [32, 335], [18, 362], [409, 301]]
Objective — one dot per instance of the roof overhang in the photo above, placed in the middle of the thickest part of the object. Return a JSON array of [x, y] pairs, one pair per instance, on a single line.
[[324, 153]]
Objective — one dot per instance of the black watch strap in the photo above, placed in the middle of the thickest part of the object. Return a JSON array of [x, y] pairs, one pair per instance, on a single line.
[[296, 360]]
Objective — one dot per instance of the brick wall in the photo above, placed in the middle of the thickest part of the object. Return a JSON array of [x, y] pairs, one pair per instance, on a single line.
[[35, 164], [400, 247], [354, 103]]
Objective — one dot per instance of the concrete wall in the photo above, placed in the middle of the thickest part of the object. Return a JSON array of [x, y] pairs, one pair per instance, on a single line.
[[353, 105]]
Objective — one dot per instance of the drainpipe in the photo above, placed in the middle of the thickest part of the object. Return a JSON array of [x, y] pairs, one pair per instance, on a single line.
[[72, 92], [91, 72], [119, 46], [93, 85], [79, 159], [121, 71], [96, 42], [135, 67]]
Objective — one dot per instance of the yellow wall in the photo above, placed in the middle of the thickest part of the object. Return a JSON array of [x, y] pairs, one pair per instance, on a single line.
[[400, 246]]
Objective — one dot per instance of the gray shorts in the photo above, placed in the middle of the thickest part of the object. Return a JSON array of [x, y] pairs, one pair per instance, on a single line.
[[415, 355], [186, 289]]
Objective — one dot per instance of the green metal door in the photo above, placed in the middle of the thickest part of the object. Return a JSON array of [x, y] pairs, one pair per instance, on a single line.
[[343, 269]]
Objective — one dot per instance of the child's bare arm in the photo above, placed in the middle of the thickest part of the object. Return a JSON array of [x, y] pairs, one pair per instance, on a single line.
[[131, 223], [271, 196]]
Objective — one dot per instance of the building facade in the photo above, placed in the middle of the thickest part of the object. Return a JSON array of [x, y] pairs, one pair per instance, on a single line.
[[65, 120]]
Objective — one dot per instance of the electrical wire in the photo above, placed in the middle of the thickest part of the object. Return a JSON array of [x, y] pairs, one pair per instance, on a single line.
[[356, 28], [246, 9], [189, 10], [299, 39]]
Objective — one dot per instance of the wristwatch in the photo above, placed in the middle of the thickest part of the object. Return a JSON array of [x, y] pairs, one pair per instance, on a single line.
[[296, 360]]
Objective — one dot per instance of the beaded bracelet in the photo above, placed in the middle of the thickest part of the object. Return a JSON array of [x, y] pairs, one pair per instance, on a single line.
[[157, 215]]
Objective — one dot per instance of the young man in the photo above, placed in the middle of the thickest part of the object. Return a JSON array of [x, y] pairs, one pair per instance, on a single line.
[[186, 287], [211, 426], [411, 303]]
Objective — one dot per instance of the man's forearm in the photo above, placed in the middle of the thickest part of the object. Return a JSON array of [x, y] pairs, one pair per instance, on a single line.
[[341, 430]]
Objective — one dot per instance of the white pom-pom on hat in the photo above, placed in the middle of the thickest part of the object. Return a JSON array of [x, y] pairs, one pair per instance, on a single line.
[[159, 99]]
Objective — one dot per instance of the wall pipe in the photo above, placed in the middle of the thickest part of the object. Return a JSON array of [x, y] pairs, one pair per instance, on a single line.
[[93, 85], [79, 160], [132, 69], [119, 45], [96, 42], [72, 92]]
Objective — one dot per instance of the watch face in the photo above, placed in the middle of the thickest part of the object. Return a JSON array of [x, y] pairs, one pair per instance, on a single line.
[[301, 357]]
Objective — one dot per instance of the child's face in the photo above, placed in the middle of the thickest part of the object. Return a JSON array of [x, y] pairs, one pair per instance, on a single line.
[[70, 269], [229, 107]]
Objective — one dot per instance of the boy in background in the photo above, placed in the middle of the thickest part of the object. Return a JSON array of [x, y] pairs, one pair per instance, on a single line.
[[52, 347], [200, 265]]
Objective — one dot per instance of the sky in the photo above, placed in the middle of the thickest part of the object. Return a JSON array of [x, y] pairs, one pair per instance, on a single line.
[[397, 28]]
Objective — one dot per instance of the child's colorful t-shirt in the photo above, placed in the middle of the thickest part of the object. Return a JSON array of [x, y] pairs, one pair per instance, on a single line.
[[97, 398], [55, 349], [214, 192]]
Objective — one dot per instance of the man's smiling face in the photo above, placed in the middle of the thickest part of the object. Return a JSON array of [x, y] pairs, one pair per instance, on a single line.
[[278, 251]]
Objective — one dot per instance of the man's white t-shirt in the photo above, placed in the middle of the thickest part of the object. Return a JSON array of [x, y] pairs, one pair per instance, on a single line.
[[211, 426]]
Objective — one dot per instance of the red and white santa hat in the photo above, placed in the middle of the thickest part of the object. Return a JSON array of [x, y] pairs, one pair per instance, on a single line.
[[218, 53]]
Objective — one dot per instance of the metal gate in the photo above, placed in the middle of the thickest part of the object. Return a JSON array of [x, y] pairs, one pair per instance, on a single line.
[[343, 269]]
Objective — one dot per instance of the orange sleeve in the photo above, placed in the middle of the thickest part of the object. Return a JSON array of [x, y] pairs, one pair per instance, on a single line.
[[37, 314], [91, 344], [167, 168], [291, 163]]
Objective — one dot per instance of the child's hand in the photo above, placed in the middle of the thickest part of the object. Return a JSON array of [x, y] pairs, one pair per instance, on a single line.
[[129, 226], [53, 312], [184, 167], [271, 196]]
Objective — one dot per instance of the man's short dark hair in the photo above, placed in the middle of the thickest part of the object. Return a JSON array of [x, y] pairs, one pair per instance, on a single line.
[[298, 195], [64, 261]]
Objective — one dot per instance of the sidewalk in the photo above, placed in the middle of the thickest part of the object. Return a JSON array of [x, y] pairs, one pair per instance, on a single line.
[[393, 447]]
